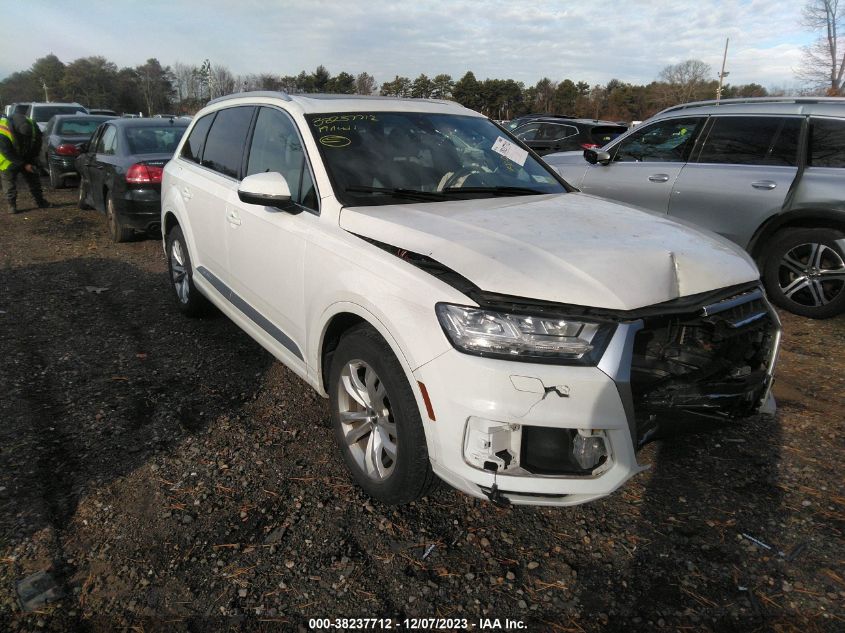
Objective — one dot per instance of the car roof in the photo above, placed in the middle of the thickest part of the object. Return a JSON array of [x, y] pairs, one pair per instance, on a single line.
[[123, 123], [326, 103], [36, 104], [564, 120], [82, 117], [760, 105]]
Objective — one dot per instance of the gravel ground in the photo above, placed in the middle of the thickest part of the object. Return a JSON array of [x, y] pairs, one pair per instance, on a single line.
[[169, 475]]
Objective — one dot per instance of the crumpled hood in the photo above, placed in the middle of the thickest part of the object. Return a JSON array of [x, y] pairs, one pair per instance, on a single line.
[[568, 248]]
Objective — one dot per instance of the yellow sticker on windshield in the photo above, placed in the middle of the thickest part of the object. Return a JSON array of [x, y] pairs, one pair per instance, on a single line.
[[334, 140]]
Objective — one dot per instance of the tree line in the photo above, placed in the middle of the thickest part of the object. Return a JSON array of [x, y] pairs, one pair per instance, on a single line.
[[183, 88]]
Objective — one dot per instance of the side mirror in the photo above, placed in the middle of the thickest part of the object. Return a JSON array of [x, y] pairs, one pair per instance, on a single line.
[[596, 156], [268, 189]]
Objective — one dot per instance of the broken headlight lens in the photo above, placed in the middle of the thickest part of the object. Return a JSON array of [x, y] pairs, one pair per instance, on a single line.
[[523, 337]]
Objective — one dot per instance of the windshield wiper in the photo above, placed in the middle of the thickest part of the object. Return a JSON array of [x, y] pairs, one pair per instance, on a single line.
[[399, 192], [496, 191]]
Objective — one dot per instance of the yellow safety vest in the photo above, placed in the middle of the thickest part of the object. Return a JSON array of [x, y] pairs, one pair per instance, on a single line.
[[6, 130]]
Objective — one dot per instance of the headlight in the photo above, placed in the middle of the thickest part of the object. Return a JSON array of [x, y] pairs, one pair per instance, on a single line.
[[540, 339]]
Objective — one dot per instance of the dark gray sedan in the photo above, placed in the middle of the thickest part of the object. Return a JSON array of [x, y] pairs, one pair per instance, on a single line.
[[120, 172], [60, 144]]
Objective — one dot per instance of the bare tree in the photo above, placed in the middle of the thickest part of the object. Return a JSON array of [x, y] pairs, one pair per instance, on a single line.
[[685, 80], [221, 81], [823, 64]]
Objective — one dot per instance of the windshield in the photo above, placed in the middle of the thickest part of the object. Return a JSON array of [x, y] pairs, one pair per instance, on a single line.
[[154, 140], [401, 157], [42, 114]]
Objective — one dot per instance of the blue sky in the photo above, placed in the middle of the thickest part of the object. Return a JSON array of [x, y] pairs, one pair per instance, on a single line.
[[590, 40]]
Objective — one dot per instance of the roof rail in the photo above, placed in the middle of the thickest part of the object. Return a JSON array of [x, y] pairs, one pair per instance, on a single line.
[[275, 94], [713, 102]]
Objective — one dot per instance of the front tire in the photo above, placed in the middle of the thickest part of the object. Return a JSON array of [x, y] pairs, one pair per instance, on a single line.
[[190, 301], [376, 419], [804, 272]]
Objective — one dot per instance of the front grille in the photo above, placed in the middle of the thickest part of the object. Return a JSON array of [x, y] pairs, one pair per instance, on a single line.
[[713, 362]]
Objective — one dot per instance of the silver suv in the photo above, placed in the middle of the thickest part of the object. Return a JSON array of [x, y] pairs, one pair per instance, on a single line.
[[768, 174]]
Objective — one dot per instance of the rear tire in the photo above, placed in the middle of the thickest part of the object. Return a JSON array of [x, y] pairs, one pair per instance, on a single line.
[[804, 271], [56, 182], [82, 199], [117, 231], [191, 301], [376, 419]]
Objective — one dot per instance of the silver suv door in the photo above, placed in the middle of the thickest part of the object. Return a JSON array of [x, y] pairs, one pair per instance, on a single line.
[[739, 174], [645, 164]]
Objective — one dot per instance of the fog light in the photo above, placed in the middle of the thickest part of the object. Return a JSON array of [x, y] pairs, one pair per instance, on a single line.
[[588, 450]]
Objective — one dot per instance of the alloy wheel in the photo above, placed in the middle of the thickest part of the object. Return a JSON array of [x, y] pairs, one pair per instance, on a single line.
[[366, 420], [812, 274], [178, 271]]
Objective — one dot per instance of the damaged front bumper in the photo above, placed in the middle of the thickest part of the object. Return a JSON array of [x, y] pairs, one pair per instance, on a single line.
[[563, 435]]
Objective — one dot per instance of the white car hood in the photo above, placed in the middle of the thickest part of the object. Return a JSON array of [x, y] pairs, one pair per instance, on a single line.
[[568, 248]]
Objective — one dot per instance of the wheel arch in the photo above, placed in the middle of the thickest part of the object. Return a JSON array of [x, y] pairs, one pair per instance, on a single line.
[[800, 219]]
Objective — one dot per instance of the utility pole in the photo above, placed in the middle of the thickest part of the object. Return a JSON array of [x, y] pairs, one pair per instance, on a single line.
[[46, 95], [722, 74]]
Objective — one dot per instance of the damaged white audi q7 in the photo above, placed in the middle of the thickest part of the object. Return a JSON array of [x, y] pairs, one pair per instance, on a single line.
[[468, 314]]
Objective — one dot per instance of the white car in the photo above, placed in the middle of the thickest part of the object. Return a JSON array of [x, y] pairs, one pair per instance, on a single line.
[[468, 315]]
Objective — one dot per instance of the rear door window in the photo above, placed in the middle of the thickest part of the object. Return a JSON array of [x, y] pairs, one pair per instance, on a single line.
[[108, 141], [753, 140], [192, 149], [667, 141], [827, 143], [555, 131], [224, 146]]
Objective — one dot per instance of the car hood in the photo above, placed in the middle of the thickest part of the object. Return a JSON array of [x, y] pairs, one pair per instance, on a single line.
[[569, 248]]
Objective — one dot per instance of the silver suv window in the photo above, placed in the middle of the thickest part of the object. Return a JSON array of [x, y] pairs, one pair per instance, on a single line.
[[667, 141], [751, 140], [827, 143]]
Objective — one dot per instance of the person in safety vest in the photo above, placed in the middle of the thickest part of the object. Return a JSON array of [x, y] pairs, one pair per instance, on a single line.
[[20, 141]]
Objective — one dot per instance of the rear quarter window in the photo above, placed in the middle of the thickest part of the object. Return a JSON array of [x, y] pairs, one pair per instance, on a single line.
[[192, 149], [827, 143]]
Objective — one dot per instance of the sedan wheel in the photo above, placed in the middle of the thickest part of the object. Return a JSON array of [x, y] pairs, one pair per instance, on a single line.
[[118, 232], [804, 272]]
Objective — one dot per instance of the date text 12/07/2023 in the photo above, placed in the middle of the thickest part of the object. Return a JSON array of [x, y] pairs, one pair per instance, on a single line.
[[416, 624]]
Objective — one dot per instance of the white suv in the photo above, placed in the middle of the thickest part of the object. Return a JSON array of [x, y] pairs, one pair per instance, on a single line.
[[466, 312]]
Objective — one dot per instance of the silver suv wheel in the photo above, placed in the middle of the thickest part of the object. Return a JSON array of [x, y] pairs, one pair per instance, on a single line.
[[804, 271], [812, 274]]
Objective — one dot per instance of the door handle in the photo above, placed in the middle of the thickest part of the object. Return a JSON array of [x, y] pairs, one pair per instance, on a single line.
[[186, 193], [233, 217], [659, 178], [764, 184]]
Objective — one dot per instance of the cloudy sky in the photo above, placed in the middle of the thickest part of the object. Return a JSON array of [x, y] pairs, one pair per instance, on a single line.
[[591, 40]]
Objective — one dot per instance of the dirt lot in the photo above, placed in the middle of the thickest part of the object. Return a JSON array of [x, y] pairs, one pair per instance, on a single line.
[[170, 476]]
